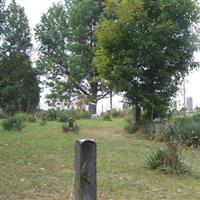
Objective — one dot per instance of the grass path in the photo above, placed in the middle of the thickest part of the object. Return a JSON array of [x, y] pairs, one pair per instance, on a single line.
[[38, 164]]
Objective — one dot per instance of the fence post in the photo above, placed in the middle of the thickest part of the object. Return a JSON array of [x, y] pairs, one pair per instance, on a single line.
[[85, 170]]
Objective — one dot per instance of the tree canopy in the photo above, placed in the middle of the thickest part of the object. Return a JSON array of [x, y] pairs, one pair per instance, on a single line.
[[19, 88], [67, 37], [145, 47]]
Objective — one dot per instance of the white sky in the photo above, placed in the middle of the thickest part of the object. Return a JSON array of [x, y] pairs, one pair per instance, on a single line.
[[35, 8]]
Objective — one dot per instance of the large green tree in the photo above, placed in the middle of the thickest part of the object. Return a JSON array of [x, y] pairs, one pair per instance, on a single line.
[[145, 47], [19, 90], [2, 5], [67, 37]]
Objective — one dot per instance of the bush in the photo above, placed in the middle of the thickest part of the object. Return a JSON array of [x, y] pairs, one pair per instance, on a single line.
[[62, 116], [51, 114], [106, 117], [67, 129], [196, 117], [168, 160], [119, 113], [148, 127], [156, 159], [84, 115], [130, 126], [186, 130], [43, 122], [31, 118], [2, 114], [15, 123]]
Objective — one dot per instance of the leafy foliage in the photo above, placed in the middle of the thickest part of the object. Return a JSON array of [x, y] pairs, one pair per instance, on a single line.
[[31, 118], [66, 128], [15, 123], [186, 130], [148, 127], [68, 42], [18, 82], [106, 117], [119, 113], [62, 115], [167, 161], [144, 48], [130, 126], [156, 159]]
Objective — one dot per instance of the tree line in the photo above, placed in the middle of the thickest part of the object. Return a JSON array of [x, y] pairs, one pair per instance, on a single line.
[[141, 48]]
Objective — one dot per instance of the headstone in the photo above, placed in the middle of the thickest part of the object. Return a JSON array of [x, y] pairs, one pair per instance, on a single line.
[[92, 108], [157, 126], [85, 167], [70, 124]]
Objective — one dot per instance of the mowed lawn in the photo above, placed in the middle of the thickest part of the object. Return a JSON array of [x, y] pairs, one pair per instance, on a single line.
[[38, 164]]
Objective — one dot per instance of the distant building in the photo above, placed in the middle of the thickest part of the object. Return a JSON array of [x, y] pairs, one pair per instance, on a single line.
[[189, 104]]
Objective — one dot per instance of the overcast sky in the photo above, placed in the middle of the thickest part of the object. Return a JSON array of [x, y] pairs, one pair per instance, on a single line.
[[35, 8]]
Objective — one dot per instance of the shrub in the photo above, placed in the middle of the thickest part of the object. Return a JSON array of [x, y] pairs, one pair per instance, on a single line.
[[196, 117], [15, 123], [106, 117], [43, 122], [168, 160], [119, 113], [156, 159], [62, 116], [51, 114], [31, 118], [2, 114], [21, 115], [84, 115], [148, 127], [130, 126], [186, 130], [67, 129]]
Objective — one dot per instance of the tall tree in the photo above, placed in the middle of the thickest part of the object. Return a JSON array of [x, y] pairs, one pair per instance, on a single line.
[[19, 88], [144, 48], [2, 5], [68, 43]]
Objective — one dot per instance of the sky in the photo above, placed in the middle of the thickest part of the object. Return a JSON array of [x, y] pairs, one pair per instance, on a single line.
[[34, 10]]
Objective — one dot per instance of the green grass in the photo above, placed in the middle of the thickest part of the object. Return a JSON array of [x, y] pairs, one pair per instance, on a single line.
[[37, 163]]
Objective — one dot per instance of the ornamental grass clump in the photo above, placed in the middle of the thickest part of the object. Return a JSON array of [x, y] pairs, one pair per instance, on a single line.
[[14, 123], [186, 130], [168, 161]]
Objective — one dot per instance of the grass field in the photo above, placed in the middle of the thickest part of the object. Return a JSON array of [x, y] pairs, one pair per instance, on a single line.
[[38, 164]]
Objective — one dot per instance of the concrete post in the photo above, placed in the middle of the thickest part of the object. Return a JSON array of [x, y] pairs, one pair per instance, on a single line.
[[85, 170]]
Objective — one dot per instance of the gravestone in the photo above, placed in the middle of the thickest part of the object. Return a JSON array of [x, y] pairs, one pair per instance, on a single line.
[[157, 126], [85, 170], [70, 124], [92, 108]]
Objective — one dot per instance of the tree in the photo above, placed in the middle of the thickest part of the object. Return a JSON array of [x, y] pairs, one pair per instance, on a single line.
[[144, 48], [68, 43], [2, 5], [19, 88]]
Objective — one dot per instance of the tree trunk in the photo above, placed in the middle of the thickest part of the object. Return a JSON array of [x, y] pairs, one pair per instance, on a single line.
[[110, 104], [93, 104], [136, 115]]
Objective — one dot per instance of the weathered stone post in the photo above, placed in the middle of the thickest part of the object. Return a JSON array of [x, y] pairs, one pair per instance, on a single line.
[[157, 126], [85, 170]]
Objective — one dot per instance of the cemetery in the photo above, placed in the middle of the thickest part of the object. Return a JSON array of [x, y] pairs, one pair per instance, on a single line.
[[38, 162], [62, 134]]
